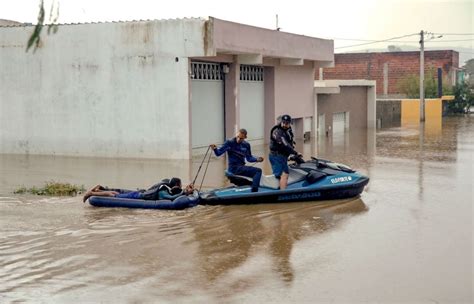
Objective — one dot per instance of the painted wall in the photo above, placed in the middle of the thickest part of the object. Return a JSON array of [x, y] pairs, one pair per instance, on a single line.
[[350, 99], [287, 90], [107, 89], [244, 39], [411, 110], [294, 90]]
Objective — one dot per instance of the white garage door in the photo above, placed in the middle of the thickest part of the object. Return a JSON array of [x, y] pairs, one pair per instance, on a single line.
[[252, 100], [207, 104], [322, 124], [340, 122]]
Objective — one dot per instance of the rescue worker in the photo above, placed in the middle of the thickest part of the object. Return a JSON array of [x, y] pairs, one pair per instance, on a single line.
[[238, 150], [281, 147]]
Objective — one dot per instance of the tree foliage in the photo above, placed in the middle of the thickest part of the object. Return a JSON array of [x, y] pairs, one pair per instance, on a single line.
[[35, 38], [463, 99], [410, 86]]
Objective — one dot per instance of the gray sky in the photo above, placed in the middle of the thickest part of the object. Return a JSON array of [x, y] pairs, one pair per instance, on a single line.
[[347, 19]]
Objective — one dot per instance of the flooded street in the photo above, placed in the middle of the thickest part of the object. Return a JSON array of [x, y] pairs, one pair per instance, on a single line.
[[408, 238]]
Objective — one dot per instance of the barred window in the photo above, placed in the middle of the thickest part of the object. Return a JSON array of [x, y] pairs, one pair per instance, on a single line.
[[251, 73], [206, 71]]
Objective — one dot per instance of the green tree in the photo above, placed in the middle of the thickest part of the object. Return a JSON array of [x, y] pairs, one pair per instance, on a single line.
[[463, 99]]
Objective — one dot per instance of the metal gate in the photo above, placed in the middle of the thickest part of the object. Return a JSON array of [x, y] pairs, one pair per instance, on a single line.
[[252, 99], [207, 104]]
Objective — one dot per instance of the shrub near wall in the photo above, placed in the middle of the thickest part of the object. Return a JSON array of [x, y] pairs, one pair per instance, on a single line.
[[463, 99], [410, 86]]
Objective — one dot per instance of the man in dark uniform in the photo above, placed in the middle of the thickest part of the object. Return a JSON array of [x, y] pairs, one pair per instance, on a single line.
[[166, 189], [238, 151], [281, 146]]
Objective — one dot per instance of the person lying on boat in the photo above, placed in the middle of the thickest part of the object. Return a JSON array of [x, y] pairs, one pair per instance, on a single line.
[[282, 146], [167, 189], [238, 150]]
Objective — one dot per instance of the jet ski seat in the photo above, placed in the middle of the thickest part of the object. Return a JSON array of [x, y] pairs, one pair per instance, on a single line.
[[268, 181]]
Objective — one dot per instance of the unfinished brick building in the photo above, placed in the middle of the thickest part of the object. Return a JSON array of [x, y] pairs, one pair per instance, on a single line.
[[390, 67]]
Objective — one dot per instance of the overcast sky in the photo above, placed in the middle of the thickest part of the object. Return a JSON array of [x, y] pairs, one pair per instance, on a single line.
[[333, 19]]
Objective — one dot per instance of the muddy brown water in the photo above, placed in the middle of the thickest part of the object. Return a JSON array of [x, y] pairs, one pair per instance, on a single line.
[[407, 238]]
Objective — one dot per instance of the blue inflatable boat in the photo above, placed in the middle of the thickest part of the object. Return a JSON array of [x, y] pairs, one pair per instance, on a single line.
[[181, 202], [312, 180]]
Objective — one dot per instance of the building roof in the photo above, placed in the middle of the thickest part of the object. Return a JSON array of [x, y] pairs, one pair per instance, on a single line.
[[9, 23], [5, 22]]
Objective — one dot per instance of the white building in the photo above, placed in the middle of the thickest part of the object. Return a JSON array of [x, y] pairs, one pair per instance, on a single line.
[[152, 89]]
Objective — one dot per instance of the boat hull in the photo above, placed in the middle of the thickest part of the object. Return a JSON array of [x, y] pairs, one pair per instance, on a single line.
[[220, 197]]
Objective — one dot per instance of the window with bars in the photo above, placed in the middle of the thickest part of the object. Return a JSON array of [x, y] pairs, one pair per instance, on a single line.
[[206, 71], [251, 73]]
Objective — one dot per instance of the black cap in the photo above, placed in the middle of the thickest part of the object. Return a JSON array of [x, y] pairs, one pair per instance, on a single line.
[[175, 181], [286, 118]]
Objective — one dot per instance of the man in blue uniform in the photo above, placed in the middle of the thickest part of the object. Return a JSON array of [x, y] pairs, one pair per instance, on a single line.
[[238, 150], [282, 146]]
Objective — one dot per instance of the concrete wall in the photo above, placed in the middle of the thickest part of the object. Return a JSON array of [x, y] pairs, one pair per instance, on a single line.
[[388, 68], [107, 89], [288, 90], [350, 99], [388, 113], [403, 112], [411, 110], [433, 115], [294, 90], [244, 39]]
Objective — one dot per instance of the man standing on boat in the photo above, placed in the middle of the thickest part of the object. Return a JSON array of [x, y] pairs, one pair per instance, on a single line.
[[282, 146], [238, 150]]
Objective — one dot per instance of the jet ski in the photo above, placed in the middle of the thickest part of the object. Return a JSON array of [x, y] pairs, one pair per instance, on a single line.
[[312, 180]]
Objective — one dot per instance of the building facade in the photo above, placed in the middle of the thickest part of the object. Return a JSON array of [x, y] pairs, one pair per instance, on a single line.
[[342, 105], [151, 89]]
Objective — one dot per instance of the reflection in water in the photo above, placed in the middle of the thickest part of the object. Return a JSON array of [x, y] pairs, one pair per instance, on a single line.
[[243, 230]]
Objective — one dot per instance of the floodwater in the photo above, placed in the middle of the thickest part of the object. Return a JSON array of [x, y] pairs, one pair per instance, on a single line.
[[407, 239]]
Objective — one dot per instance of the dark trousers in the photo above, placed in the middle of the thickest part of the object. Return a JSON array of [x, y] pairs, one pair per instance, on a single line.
[[248, 171]]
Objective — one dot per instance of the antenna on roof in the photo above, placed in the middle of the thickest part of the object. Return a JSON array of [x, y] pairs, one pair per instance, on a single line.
[[277, 28]]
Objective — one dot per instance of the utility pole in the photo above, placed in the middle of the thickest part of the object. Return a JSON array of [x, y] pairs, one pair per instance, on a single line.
[[422, 76]]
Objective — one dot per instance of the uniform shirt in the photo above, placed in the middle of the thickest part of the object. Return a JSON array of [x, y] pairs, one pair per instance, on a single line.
[[237, 152], [281, 141], [164, 194]]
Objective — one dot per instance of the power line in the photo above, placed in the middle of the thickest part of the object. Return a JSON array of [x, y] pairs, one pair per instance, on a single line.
[[368, 40], [349, 39], [450, 40], [376, 41], [454, 34]]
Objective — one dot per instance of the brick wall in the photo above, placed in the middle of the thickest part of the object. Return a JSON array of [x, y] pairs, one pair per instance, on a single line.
[[370, 66]]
